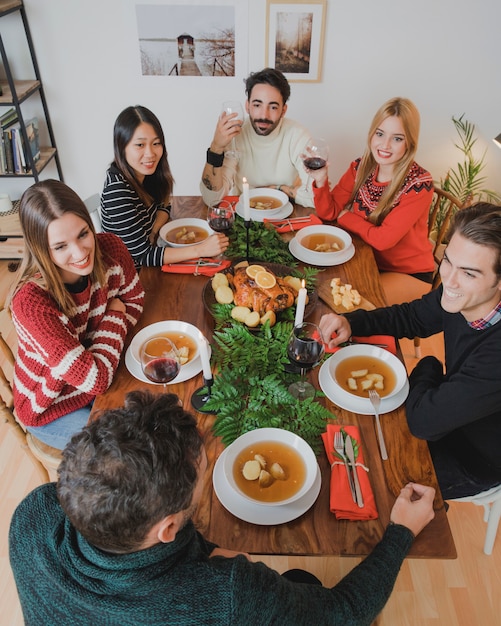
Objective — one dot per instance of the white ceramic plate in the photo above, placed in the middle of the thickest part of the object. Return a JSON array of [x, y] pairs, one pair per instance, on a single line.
[[133, 364], [301, 254], [188, 371], [184, 221], [258, 216], [362, 406], [260, 514], [163, 327]]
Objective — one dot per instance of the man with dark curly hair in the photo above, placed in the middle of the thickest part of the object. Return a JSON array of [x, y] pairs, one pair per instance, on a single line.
[[112, 543], [268, 147]]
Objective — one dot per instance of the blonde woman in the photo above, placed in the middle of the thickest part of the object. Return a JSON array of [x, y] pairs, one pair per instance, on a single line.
[[384, 197], [76, 298]]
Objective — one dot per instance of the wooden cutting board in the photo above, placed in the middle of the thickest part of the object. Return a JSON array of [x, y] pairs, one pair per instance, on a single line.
[[324, 291]]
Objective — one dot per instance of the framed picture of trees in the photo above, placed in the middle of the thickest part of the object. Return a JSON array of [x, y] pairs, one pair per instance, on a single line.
[[295, 38]]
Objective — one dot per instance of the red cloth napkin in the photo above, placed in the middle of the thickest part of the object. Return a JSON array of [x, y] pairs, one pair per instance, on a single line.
[[196, 267], [232, 199], [383, 340], [293, 223], [341, 502]]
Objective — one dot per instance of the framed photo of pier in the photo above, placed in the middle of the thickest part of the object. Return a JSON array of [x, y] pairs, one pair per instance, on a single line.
[[193, 38], [295, 38]]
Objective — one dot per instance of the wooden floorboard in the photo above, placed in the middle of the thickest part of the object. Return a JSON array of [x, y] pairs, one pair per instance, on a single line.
[[428, 592]]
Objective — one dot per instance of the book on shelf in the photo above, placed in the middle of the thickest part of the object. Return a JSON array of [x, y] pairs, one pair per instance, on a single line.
[[14, 152], [7, 144], [33, 137], [8, 118], [21, 165]]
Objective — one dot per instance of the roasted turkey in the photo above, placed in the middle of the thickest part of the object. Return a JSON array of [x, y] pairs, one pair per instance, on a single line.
[[248, 294]]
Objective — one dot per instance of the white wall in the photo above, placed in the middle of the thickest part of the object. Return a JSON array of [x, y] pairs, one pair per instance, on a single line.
[[443, 54]]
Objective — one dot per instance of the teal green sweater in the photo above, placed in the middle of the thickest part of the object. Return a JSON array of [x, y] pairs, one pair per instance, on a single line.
[[63, 580]]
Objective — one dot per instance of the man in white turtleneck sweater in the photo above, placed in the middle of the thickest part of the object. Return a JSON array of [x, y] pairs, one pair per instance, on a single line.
[[269, 145]]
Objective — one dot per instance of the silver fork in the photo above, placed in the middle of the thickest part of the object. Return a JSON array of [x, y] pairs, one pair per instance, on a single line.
[[339, 448], [375, 399]]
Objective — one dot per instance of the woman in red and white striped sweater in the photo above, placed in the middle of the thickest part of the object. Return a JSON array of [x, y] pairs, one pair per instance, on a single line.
[[76, 298]]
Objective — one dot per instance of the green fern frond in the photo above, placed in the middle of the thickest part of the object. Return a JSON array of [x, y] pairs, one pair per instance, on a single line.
[[250, 389]]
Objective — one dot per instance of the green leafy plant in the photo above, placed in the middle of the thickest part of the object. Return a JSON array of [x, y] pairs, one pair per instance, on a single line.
[[465, 180], [250, 389], [265, 244]]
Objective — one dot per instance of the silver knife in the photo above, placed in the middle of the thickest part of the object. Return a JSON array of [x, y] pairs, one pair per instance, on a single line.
[[348, 448]]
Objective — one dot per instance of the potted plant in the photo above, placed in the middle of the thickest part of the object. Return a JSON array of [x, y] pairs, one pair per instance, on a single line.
[[464, 181]]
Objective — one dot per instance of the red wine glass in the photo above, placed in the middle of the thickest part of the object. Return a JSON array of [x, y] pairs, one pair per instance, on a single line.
[[315, 156], [221, 216], [305, 349], [160, 360]]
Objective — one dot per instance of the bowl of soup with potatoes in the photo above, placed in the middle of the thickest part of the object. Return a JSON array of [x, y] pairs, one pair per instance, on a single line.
[[270, 466], [355, 369], [323, 243]]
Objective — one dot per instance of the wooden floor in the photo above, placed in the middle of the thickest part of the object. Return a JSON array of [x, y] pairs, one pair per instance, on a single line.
[[460, 592]]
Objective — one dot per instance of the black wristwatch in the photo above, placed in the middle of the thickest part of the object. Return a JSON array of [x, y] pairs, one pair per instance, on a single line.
[[214, 159]]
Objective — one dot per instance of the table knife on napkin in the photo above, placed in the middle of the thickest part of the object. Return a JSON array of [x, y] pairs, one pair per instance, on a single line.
[[348, 447]]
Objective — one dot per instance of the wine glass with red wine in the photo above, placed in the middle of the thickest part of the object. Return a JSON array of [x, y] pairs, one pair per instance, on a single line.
[[160, 360], [315, 155], [304, 349], [221, 216]]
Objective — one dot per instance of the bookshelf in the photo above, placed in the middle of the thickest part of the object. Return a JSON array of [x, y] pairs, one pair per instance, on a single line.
[[15, 91]]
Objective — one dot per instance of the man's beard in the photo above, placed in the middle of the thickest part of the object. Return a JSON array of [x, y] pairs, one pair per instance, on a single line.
[[267, 131]]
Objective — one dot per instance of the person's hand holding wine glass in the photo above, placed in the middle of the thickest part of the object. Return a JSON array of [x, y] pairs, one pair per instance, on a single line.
[[315, 157], [305, 349], [160, 360], [221, 217], [232, 118]]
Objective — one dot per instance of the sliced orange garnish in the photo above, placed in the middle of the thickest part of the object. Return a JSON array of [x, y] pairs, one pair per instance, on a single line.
[[252, 270], [265, 280]]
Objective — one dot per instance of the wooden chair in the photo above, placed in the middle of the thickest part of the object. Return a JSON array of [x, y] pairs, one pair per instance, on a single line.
[[46, 457], [491, 501], [444, 204], [400, 288]]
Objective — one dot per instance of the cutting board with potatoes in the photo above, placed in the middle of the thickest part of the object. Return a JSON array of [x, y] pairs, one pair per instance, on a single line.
[[342, 298]]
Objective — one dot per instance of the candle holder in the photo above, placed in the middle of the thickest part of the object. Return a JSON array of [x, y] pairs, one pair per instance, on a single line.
[[198, 400], [247, 224]]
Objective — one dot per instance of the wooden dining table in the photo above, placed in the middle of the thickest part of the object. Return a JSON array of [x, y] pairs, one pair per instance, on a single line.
[[316, 532]]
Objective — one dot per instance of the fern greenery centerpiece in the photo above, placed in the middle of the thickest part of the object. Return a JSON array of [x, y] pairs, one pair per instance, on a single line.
[[251, 388], [265, 244]]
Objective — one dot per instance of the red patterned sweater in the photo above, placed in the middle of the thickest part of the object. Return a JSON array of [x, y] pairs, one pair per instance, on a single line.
[[63, 363], [400, 242]]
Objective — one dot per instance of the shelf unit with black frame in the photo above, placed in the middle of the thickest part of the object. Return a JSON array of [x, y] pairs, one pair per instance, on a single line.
[[15, 92]]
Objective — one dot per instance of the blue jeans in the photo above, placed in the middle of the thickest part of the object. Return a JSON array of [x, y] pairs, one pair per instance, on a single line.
[[455, 480], [59, 432]]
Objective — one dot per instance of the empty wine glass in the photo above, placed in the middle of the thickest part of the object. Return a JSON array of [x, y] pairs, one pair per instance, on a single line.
[[316, 153], [229, 107], [160, 360], [305, 348]]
